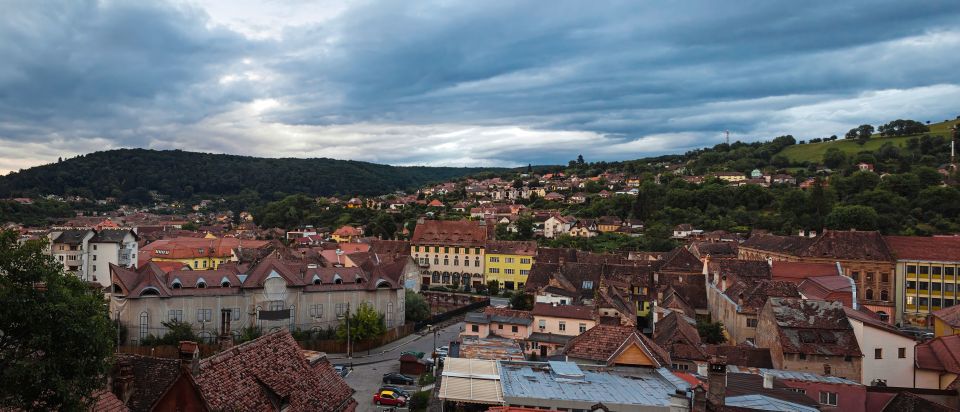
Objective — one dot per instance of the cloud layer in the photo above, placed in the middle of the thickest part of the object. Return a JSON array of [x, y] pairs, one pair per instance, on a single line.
[[461, 82]]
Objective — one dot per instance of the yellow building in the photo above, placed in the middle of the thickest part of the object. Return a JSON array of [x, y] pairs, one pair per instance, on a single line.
[[509, 263], [946, 321], [347, 234], [927, 276]]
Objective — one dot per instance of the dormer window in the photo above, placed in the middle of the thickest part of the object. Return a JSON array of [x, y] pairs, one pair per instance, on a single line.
[[337, 280], [201, 283], [176, 284], [225, 284]]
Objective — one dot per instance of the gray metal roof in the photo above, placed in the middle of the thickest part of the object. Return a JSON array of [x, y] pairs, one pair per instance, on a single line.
[[792, 375], [476, 317], [540, 381], [766, 403], [549, 338]]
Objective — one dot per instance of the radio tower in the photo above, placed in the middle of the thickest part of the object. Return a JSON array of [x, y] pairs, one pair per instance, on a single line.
[[727, 132]]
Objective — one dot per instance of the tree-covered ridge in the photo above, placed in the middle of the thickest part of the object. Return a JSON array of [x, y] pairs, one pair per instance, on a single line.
[[130, 174]]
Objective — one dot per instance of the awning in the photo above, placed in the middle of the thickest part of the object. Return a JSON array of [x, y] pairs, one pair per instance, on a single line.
[[471, 381]]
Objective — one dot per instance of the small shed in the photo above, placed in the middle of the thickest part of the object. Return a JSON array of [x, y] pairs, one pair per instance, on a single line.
[[411, 365]]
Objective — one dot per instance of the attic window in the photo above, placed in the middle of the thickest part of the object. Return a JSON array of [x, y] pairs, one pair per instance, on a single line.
[[808, 336], [201, 284], [225, 284], [316, 281], [828, 337], [588, 284], [176, 284], [116, 288]]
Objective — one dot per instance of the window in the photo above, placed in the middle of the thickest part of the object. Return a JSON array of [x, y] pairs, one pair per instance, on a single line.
[[196, 264], [446, 260], [144, 324], [494, 259], [466, 261], [949, 270], [588, 284], [912, 269], [803, 356], [855, 275], [534, 345], [583, 327], [542, 323], [885, 277], [937, 270], [924, 285], [935, 302], [525, 261], [826, 369], [476, 250], [524, 272], [476, 262], [508, 271], [869, 294], [494, 270], [456, 261], [500, 326], [175, 315], [508, 260], [316, 311], [680, 367], [797, 390], [341, 309], [94, 257], [475, 328], [235, 313], [869, 276], [514, 329], [277, 305], [436, 260], [751, 322], [924, 270], [911, 284], [878, 353], [884, 295], [563, 326], [204, 263], [94, 268], [204, 315], [446, 250], [828, 398], [902, 353]]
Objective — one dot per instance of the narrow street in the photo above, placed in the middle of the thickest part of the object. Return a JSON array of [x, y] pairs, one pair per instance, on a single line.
[[368, 370]]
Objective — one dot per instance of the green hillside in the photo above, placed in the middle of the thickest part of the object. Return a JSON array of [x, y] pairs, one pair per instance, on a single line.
[[130, 174], [813, 152]]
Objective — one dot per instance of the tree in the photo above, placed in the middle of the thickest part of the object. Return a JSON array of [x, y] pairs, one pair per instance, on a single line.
[[834, 158], [852, 217], [711, 333], [415, 306], [524, 228], [176, 331], [365, 324], [522, 301], [493, 287], [580, 161], [56, 338]]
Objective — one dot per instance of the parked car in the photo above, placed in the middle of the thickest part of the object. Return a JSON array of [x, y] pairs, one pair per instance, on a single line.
[[396, 389], [389, 398], [397, 378], [343, 371]]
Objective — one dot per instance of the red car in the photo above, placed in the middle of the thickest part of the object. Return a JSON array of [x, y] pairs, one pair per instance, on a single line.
[[389, 398]]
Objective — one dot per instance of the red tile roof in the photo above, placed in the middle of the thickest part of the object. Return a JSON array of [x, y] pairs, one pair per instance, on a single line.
[[950, 316], [602, 342], [106, 401], [938, 248], [257, 374], [940, 354], [563, 311], [798, 271], [347, 231], [450, 233], [507, 247]]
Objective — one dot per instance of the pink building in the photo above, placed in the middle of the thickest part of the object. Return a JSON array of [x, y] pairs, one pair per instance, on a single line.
[[501, 322]]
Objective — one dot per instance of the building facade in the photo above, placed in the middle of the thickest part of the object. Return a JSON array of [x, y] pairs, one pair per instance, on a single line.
[[509, 263], [450, 252], [88, 253], [927, 271], [271, 295]]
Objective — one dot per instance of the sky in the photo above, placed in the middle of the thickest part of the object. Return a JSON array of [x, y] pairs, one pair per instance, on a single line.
[[462, 83]]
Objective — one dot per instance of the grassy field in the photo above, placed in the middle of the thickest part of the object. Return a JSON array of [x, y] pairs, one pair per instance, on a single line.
[[813, 152]]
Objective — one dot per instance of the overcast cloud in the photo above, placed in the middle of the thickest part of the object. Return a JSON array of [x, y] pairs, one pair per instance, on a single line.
[[461, 82]]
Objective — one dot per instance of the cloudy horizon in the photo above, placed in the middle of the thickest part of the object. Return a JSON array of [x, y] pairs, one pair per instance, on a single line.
[[459, 83]]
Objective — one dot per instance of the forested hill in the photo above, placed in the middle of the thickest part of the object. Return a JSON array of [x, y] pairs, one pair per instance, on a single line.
[[181, 175]]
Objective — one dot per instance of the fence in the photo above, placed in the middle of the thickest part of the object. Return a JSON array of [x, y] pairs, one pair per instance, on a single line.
[[477, 304], [321, 345]]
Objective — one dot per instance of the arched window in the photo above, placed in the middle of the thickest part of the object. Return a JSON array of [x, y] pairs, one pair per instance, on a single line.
[[150, 291], [201, 283], [337, 280], [476, 262], [117, 289], [456, 261], [176, 284], [446, 260], [316, 281], [436, 259], [144, 324], [869, 294], [884, 295], [466, 261]]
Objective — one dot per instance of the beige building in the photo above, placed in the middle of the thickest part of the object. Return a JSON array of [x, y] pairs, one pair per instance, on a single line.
[[88, 253], [810, 336], [554, 325], [272, 295], [450, 251]]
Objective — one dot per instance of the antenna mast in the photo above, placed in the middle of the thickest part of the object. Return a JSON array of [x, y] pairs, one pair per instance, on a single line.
[[727, 132]]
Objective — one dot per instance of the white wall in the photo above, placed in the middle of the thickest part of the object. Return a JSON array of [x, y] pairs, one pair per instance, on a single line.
[[897, 371]]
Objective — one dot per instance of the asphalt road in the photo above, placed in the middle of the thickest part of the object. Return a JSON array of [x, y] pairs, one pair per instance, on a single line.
[[367, 374]]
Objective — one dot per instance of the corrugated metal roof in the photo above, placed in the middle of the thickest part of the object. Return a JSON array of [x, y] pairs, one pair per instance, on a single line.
[[539, 381], [766, 403], [471, 380], [791, 375]]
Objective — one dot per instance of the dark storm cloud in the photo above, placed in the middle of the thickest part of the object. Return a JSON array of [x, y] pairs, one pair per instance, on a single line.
[[473, 82]]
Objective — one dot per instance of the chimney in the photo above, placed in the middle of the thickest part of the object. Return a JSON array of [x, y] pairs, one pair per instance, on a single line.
[[813, 233], [225, 339], [803, 233], [123, 380], [770, 261], [699, 399], [190, 356], [768, 380], [723, 283], [706, 264], [717, 381]]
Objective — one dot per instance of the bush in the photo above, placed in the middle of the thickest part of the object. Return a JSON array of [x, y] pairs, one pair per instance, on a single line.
[[176, 331], [419, 401], [427, 378]]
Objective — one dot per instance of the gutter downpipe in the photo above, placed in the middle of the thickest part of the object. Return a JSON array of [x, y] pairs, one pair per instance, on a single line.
[[853, 287]]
